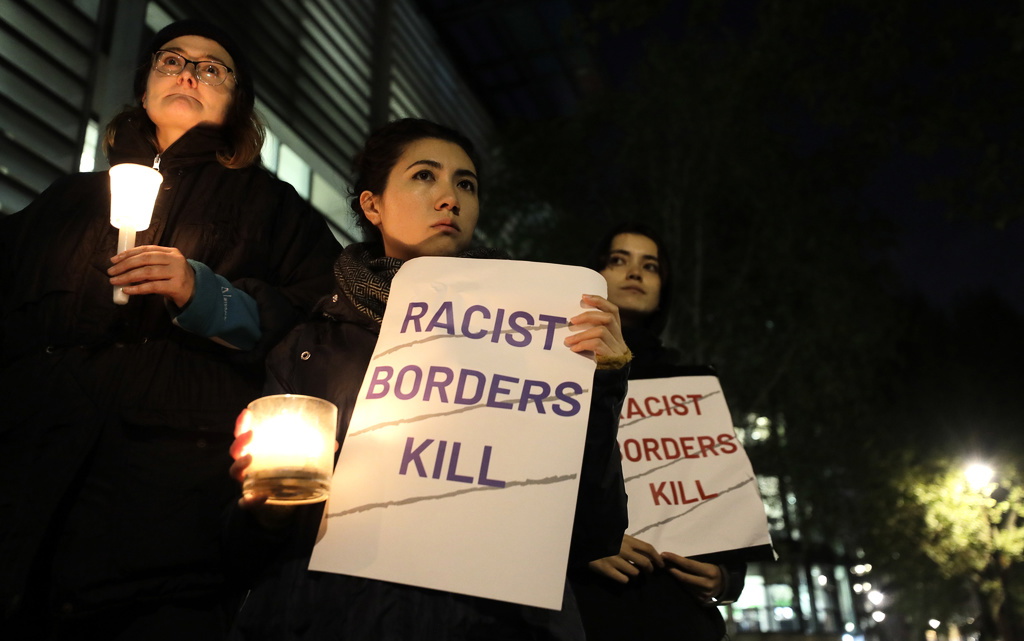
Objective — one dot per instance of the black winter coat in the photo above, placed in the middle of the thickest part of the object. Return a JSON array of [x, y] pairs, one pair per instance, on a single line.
[[327, 358], [114, 422]]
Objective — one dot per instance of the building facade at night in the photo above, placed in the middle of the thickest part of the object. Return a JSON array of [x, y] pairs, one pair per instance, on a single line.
[[326, 73]]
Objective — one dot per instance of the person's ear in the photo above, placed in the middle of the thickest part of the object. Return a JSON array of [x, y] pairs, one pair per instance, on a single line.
[[371, 208]]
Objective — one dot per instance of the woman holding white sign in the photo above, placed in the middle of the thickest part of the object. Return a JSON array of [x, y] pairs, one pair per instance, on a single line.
[[416, 193], [641, 593]]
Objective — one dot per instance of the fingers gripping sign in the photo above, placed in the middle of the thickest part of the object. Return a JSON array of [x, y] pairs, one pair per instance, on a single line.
[[703, 580], [599, 331], [635, 556]]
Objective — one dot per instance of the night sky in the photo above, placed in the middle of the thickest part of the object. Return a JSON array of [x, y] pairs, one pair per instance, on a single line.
[[946, 260], [955, 56]]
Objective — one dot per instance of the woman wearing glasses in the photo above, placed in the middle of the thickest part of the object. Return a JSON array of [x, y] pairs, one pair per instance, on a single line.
[[116, 419]]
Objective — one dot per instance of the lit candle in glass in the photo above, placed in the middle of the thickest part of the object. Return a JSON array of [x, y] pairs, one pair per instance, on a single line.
[[292, 448], [133, 190]]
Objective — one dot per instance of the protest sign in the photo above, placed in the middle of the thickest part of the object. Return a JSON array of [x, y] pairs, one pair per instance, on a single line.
[[691, 487], [459, 470]]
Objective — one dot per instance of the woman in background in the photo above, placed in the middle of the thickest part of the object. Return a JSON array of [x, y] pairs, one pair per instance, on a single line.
[[640, 593]]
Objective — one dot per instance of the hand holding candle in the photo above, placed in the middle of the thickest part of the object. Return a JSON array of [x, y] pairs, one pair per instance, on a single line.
[[133, 190], [291, 444]]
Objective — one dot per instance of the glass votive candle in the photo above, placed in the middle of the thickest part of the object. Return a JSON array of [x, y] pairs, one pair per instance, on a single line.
[[292, 448]]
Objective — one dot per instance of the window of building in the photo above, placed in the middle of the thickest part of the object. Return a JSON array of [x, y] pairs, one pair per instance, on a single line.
[[89, 147]]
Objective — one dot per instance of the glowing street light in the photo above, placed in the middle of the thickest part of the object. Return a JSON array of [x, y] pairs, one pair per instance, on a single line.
[[978, 475]]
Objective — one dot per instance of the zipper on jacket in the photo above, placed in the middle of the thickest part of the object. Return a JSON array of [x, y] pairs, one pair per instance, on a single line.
[[156, 162]]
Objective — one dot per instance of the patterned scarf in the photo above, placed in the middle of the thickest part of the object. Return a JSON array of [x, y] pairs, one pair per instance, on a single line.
[[363, 274], [364, 277]]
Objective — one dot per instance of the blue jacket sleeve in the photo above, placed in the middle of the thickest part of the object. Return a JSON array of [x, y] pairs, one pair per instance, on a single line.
[[220, 311]]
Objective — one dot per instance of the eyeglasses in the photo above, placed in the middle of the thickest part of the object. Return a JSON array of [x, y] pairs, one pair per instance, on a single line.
[[207, 72]]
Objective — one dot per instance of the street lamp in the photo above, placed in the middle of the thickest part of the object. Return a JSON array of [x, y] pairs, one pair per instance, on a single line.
[[978, 476]]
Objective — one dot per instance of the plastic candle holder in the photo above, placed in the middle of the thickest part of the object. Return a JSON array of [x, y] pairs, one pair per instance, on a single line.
[[133, 190]]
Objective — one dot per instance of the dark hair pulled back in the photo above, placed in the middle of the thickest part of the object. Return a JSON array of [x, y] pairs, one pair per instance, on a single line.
[[374, 162]]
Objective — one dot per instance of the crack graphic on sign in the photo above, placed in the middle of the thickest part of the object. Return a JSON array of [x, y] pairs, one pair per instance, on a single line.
[[400, 346], [681, 514], [673, 462], [424, 417], [683, 404], [419, 499]]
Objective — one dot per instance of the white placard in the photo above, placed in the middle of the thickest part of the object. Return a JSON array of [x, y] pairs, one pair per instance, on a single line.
[[460, 466], [691, 487]]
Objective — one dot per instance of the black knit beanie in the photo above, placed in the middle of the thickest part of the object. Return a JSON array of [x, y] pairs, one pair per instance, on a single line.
[[203, 29]]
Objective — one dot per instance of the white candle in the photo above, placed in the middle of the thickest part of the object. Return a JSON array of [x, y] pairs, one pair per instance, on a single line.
[[133, 190]]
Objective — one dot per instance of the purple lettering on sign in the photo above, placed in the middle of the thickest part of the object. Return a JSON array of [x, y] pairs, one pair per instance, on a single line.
[[471, 398], [535, 391], [438, 378], [496, 388], [443, 318], [439, 461], [485, 464], [562, 393], [499, 318], [413, 456], [453, 463], [465, 321], [411, 317], [552, 325], [379, 385], [522, 330], [417, 377]]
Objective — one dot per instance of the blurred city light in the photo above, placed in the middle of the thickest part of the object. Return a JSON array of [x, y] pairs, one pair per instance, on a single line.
[[978, 475], [875, 597], [784, 613], [762, 428], [878, 616]]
